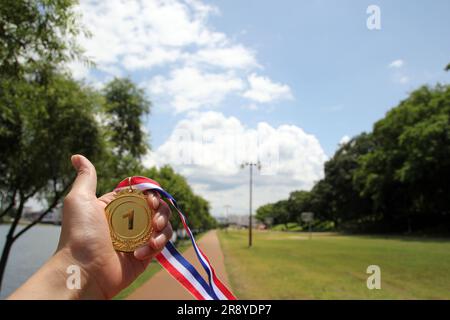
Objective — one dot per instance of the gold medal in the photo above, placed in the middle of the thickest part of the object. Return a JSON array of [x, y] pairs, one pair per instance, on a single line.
[[129, 219]]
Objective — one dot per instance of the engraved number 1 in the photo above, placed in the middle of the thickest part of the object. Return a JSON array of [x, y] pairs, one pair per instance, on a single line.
[[130, 216]]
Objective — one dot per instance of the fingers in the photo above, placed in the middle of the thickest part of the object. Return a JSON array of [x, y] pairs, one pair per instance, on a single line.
[[107, 198], [156, 244], [86, 180], [160, 239], [153, 199], [163, 229], [162, 216]]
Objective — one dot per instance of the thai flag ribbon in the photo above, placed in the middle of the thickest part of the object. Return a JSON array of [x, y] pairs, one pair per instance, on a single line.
[[172, 260]]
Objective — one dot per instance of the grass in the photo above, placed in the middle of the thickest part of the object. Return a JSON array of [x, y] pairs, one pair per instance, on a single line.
[[291, 226], [284, 265], [152, 269]]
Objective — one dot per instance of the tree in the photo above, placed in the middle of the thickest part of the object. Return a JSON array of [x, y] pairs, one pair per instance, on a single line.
[[124, 107], [42, 127], [193, 206], [40, 109], [37, 35], [298, 202], [393, 179], [405, 173], [126, 104], [345, 203], [278, 212], [264, 212]]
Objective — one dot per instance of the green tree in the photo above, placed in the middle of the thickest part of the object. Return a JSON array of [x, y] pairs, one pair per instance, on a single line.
[[298, 202], [124, 108], [195, 208], [41, 127], [37, 35], [265, 212], [345, 203], [278, 212], [126, 104], [406, 172], [44, 116]]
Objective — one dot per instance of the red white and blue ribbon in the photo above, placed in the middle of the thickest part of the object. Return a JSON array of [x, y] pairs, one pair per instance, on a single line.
[[172, 260]]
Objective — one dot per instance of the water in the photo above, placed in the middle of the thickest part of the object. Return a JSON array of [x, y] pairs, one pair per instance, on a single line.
[[28, 253]]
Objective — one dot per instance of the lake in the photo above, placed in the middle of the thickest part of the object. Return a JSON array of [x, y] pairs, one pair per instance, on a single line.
[[28, 253]]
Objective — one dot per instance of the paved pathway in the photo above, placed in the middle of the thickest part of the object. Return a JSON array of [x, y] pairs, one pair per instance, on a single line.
[[163, 287]]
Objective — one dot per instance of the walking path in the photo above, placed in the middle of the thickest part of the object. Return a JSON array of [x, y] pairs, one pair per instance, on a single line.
[[163, 287]]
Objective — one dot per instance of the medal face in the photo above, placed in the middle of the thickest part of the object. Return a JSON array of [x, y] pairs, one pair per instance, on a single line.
[[130, 220]]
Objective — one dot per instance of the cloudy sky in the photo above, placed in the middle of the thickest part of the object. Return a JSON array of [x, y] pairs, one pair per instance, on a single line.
[[283, 82]]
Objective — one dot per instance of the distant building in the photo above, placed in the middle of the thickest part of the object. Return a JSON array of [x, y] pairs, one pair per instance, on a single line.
[[54, 216], [240, 221]]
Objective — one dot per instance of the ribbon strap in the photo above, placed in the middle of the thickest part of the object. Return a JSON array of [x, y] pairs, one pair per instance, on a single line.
[[172, 260]]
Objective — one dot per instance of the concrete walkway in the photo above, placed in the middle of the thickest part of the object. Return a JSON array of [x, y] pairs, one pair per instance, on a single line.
[[163, 287]]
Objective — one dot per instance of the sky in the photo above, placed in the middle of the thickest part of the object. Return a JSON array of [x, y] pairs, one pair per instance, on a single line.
[[280, 82]]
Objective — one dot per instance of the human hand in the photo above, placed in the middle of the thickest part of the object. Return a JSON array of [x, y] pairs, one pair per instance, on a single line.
[[85, 237], [85, 242]]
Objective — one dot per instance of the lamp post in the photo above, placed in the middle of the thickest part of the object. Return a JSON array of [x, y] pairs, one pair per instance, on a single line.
[[258, 166]]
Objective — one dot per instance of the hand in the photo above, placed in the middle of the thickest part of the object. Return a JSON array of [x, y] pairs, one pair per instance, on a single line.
[[85, 240]]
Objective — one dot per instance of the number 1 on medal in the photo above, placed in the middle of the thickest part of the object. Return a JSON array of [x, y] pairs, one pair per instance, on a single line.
[[130, 216]]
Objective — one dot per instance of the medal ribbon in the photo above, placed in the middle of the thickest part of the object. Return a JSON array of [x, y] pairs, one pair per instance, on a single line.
[[172, 260]]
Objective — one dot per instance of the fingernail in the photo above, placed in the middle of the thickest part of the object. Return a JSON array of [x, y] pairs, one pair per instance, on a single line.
[[142, 252], [160, 222], [160, 240], [75, 159], [155, 201]]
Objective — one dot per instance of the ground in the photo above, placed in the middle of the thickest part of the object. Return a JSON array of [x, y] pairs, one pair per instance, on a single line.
[[155, 283], [330, 266]]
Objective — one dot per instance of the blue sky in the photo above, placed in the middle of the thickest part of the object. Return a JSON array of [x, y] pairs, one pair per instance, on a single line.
[[305, 72]]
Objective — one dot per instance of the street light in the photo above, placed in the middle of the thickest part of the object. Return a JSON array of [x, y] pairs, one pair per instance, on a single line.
[[258, 166]]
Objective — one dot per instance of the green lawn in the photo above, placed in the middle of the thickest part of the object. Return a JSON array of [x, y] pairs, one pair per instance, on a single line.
[[152, 269], [289, 266]]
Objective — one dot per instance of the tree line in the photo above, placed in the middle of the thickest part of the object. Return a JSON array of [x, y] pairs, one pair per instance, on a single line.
[[46, 116], [395, 178]]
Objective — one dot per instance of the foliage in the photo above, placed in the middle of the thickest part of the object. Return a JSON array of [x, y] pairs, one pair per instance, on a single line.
[[46, 116], [278, 212], [405, 173], [393, 179], [37, 35], [195, 208], [126, 104]]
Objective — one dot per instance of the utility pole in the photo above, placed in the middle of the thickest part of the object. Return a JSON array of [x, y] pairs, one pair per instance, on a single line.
[[250, 165], [227, 206]]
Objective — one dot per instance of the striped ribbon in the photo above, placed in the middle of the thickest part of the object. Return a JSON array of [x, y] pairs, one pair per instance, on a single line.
[[172, 260]]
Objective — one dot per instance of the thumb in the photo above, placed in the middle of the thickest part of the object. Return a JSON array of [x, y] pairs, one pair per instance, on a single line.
[[86, 180]]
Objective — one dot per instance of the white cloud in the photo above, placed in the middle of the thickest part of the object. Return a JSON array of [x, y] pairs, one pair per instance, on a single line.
[[403, 79], [263, 90], [154, 57], [208, 148], [78, 69], [396, 63], [399, 75], [236, 56], [197, 65], [344, 140], [124, 32], [190, 88]]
